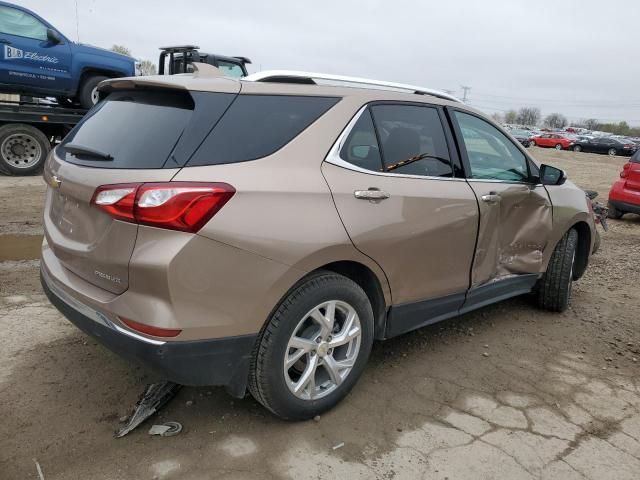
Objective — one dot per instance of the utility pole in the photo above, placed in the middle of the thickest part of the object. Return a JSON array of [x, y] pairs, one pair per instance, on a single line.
[[465, 89]]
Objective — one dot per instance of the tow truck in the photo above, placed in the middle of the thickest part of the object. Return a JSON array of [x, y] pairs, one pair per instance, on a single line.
[[30, 129]]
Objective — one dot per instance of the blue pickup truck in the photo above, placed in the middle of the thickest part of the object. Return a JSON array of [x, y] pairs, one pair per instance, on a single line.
[[37, 60]]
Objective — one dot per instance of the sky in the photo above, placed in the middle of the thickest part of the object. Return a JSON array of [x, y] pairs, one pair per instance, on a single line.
[[578, 58]]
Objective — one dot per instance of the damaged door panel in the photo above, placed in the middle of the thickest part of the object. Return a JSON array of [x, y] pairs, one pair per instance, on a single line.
[[515, 225]]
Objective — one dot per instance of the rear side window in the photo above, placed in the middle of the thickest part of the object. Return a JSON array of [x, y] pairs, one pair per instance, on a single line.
[[413, 140], [256, 126], [361, 147], [636, 157]]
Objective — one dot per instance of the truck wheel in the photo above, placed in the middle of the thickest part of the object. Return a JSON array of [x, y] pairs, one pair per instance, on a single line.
[[614, 212], [88, 94], [23, 149], [314, 348], [554, 288]]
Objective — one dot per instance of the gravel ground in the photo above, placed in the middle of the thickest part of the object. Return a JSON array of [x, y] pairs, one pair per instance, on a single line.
[[506, 392]]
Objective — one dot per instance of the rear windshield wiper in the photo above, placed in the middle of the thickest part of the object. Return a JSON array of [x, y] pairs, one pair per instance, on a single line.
[[421, 156], [75, 149]]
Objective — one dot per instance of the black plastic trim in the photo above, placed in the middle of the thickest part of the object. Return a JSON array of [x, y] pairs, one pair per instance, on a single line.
[[223, 361]]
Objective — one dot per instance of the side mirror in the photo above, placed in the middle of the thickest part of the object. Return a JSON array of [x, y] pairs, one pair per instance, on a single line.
[[53, 36], [551, 175], [360, 151]]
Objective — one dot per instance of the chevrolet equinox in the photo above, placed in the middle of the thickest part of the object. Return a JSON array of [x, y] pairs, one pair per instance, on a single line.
[[261, 233]]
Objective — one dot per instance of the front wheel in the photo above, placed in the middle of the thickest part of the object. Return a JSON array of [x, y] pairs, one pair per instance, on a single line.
[[577, 148], [612, 152], [23, 149], [88, 93], [314, 348], [554, 288], [532, 143], [558, 146]]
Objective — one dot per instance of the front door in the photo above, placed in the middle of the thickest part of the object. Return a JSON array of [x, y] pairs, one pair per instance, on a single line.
[[415, 219], [515, 211], [28, 58]]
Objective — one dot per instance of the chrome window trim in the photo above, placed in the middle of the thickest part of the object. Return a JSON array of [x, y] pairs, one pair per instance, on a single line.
[[333, 157]]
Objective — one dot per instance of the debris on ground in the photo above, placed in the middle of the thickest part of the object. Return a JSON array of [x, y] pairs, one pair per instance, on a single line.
[[39, 469], [168, 429], [151, 400], [340, 445]]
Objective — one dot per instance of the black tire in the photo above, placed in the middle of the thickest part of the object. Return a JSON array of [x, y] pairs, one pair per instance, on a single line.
[[554, 289], [577, 148], [614, 212], [532, 143], [23, 149], [612, 152], [86, 90], [267, 381], [558, 146]]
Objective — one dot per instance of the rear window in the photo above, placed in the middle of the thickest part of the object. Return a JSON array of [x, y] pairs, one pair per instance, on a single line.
[[256, 126], [138, 129]]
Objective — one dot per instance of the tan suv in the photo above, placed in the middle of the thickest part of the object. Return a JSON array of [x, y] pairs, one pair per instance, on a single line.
[[261, 233]]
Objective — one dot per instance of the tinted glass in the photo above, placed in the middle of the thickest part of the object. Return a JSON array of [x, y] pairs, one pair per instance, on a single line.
[[492, 155], [256, 126], [230, 69], [138, 129], [407, 132], [16, 22], [361, 147], [636, 157]]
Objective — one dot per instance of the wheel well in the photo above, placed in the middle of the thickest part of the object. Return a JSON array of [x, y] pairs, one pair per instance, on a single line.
[[582, 252], [368, 281]]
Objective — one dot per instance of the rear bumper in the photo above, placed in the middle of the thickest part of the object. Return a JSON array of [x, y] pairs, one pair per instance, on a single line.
[[223, 361], [625, 207]]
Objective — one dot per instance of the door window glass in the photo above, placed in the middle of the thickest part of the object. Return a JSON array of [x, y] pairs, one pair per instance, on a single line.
[[492, 156], [17, 22], [230, 69], [361, 147], [412, 140]]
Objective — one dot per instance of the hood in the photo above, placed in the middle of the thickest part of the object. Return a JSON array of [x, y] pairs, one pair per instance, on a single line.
[[103, 52]]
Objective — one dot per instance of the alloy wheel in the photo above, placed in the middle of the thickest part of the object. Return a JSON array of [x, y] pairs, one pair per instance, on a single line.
[[322, 350]]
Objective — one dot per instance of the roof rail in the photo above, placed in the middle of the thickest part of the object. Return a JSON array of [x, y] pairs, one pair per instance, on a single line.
[[292, 76]]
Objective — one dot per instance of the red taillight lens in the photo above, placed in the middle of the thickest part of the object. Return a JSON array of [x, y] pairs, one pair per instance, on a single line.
[[149, 330], [625, 167], [183, 206]]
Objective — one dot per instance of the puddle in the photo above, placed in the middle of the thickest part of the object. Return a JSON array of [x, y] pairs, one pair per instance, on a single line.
[[20, 247]]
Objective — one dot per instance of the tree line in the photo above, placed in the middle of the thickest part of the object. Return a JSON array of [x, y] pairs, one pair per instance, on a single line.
[[147, 67], [532, 116]]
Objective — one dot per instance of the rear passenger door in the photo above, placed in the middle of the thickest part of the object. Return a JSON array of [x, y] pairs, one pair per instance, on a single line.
[[515, 210], [417, 219]]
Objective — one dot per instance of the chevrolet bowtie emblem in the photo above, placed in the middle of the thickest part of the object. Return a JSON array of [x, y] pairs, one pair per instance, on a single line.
[[55, 182]]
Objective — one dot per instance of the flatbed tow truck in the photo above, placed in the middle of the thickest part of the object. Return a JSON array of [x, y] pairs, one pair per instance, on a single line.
[[29, 130]]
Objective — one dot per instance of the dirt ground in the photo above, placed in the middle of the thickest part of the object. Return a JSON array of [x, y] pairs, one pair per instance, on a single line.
[[557, 395]]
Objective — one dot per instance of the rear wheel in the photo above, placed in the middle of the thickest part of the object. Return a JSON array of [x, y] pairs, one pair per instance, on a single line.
[[577, 148], [612, 152], [532, 143], [554, 289], [558, 146], [614, 212], [314, 348], [23, 149], [88, 93]]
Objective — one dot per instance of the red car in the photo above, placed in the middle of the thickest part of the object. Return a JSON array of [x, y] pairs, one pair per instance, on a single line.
[[555, 140], [624, 196]]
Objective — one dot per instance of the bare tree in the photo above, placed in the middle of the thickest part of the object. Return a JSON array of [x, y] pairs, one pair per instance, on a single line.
[[147, 67], [528, 116], [121, 49], [591, 123], [555, 120], [497, 117], [511, 117]]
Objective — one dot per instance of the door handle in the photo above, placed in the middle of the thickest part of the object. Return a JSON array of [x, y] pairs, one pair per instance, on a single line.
[[492, 198], [371, 194]]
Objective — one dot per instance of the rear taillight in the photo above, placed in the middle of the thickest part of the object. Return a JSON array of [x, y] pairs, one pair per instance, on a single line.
[[623, 173], [183, 206], [149, 330]]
